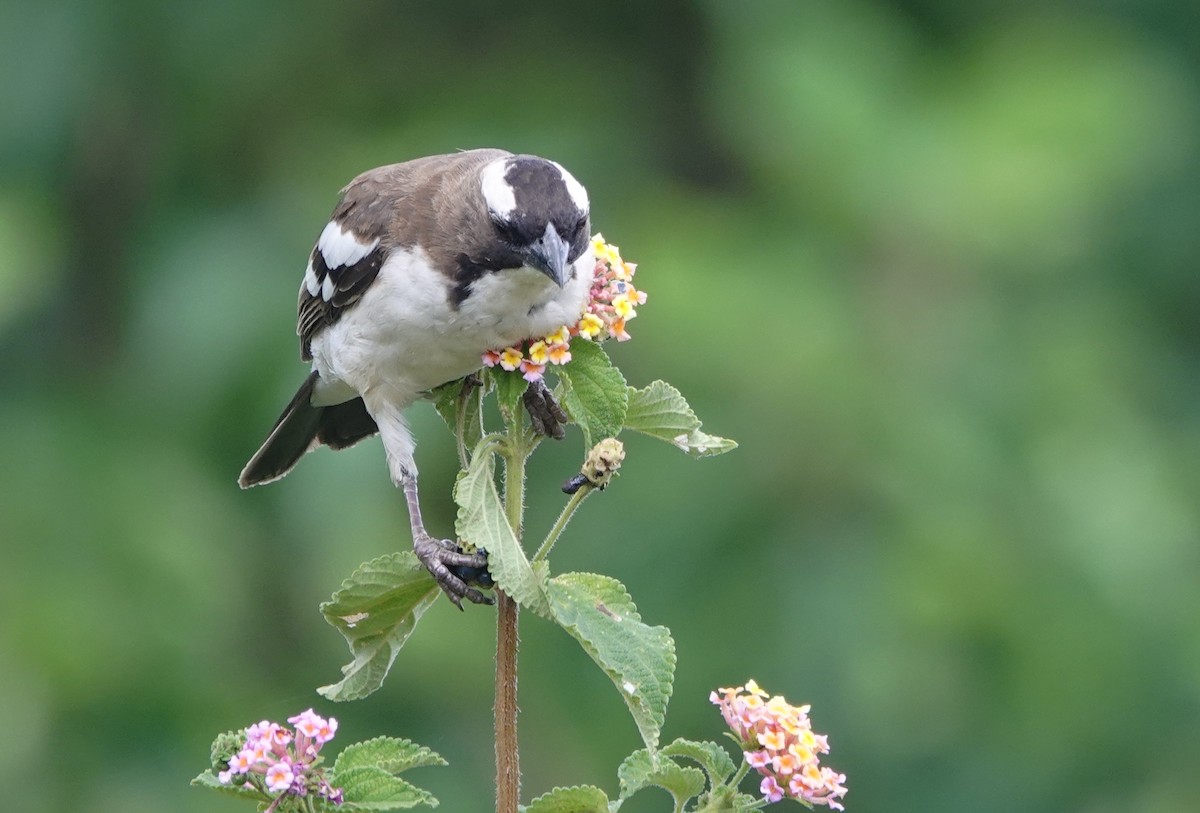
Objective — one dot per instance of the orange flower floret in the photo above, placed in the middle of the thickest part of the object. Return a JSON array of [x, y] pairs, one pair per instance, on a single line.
[[559, 353], [617, 331]]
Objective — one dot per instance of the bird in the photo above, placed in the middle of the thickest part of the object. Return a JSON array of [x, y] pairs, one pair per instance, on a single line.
[[422, 267]]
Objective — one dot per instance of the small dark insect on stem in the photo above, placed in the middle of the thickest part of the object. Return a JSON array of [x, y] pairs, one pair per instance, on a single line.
[[574, 484]]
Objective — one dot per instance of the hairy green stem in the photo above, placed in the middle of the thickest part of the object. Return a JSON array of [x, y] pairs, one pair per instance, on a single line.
[[491, 442], [742, 770], [568, 511]]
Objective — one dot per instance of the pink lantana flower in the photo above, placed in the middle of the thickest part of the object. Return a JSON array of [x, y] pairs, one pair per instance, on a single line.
[[770, 789], [278, 760], [532, 372], [778, 742], [758, 759], [279, 777]]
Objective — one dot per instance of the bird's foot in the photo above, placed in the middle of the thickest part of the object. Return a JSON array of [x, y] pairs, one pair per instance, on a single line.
[[454, 570], [546, 416]]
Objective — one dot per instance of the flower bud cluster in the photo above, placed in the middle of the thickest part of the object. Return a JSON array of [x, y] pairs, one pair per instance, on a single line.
[[778, 741], [612, 302], [282, 761], [603, 461]]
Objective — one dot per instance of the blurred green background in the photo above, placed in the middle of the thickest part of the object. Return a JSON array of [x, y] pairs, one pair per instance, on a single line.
[[934, 265]]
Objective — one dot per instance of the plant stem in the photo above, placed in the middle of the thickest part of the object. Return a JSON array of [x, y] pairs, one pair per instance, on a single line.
[[568, 511], [508, 764], [742, 770]]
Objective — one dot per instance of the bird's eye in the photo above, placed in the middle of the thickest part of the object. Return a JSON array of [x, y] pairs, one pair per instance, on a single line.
[[507, 230], [580, 224]]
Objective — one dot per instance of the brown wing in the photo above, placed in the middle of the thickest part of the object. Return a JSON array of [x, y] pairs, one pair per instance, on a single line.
[[396, 205]]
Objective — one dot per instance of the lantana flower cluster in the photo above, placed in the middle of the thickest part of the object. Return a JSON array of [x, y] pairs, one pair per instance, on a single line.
[[778, 741], [281, 761], [612, 302]]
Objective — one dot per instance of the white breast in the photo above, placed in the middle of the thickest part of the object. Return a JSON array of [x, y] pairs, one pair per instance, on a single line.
[[404, 336]]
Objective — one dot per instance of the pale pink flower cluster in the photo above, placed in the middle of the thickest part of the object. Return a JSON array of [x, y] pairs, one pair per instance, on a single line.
[[778, 741], [612, 302], [283, 759]]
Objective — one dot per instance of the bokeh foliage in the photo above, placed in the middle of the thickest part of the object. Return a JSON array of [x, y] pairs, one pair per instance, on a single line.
[[933, 264]]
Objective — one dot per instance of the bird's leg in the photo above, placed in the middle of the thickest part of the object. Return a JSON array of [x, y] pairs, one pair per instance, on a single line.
[[442, 557], [545, 415]]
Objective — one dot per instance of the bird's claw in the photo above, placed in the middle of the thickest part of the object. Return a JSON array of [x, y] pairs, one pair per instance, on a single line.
[[545, 415], [454, 570]]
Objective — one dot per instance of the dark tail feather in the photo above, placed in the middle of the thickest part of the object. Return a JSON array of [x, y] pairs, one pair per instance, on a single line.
[[346, 424], [302, 427]]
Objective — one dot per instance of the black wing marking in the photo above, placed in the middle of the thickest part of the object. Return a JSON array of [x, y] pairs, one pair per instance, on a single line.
[[345, 285]]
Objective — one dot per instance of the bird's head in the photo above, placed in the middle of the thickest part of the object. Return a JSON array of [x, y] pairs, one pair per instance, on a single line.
[[538, 211]]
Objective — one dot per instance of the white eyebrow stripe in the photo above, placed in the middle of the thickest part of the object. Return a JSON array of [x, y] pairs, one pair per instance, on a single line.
[[497, 192], [578, 194], [340, 246]]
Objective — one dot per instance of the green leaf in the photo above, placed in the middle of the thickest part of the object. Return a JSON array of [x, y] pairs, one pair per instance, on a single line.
[[594, 391], [579, 799], [365, 771], [640, 660], [392, 754], [376, 609], [481, 522], [370, 788], [510, 386], [446, 400], [640, 771], [714, 759], [247, 791], [660, 411]]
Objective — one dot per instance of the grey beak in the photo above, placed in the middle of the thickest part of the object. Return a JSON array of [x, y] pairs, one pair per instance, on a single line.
[[549, 253]]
